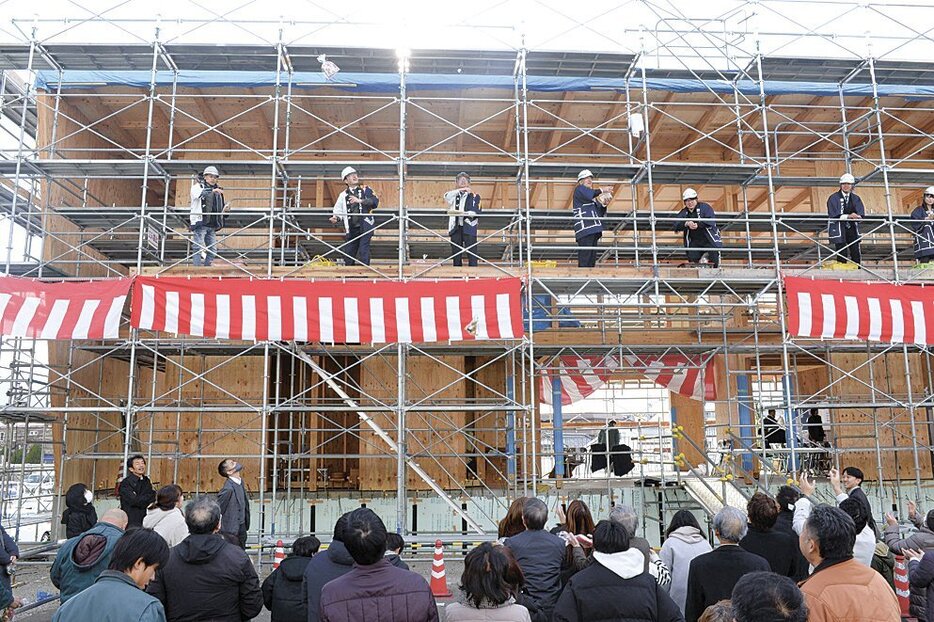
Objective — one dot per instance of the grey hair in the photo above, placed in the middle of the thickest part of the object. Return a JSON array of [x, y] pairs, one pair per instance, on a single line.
[[535, 514], [202, 515], [626, 516], [730, 524]]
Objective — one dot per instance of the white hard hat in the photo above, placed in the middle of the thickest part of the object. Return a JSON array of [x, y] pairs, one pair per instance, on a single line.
[[211, 170], [347, 171], [690, 193], [584, 174], [929, 190], [846, 178]]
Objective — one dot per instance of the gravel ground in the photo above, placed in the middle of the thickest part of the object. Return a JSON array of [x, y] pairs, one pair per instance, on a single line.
[[33, 578]]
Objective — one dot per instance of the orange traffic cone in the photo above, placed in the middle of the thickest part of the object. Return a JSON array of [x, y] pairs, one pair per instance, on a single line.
[[901, 584], [439, 584], [279, 555]]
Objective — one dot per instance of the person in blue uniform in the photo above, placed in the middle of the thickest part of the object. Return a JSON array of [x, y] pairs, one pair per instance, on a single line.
[[589, 207], [354, 209], [922, 223], [697, 223], [462, 227], [845, 210]]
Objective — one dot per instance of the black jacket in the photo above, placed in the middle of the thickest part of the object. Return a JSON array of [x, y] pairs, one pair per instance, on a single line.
[[541, 556], [284, 590], [785, 523], [858, 494], [80, 515], [778, 548], [597, 593], [324, 567], [207, 578], [136, 493], [713, 575]]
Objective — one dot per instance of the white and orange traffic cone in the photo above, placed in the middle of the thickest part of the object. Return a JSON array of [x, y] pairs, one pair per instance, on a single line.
[[439, 584], [901, 584], [279, 555]]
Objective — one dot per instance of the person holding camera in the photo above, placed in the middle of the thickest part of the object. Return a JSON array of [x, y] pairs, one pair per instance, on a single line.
[[352, 208], [206, 215], [589, 207]]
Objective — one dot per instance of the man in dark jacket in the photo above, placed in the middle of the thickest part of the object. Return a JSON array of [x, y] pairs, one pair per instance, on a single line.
[[615, 586], [394, 545], [697, 223], [777, 547], [844, 210], [325, 567], [712, 576], [118, 592], [588, 210], [848, 484], [542, 556], [375, 589], [786, 498], [136, 491], [235, 505], [921, 577], [284, 588], [206, 577], [9, 553], [83, 558], [921, 540]]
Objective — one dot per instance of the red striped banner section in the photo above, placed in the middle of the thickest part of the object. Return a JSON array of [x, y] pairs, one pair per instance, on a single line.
[[330, 311], [37, 310], [824, 309]]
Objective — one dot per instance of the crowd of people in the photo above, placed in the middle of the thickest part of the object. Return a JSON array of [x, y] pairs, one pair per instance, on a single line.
[[696, 221], [786, 558]]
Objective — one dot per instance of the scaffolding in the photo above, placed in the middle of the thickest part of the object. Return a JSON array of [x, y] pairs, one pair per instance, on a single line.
[[108, 135]]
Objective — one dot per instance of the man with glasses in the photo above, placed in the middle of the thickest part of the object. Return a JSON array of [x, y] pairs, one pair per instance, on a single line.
[[697, 223]]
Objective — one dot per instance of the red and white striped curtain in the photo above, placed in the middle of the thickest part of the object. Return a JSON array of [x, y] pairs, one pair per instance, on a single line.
[[328, 311], [825, 309]]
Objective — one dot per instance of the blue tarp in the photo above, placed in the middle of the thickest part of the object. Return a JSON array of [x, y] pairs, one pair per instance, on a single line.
[[389, 83], [541, 315]]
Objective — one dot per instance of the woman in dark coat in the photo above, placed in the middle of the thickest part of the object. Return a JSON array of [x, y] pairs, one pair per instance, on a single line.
[[283, 589], [79, 515]]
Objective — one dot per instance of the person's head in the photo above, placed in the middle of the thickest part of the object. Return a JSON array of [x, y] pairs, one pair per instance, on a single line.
[[929, 197], [786, 497], [730, 525], [306, 546], [578, 518], [394, 543], [585, 178], [512, 522], [626, 516], [611, 424], [115, 517], [846, 182], [682, 518], [534, 514], [720, 611], [772, 413], [689, 197], [610, 537], [138, 553], [814, 412], [929, 520], [169, 497], [767, 597], [210, 175], [136, 464], [202, 515], [854, 509], [462, 180], [763, 511], [340, 527], [78, 496], [365, 537], [851, 477], [228, 467], [484, 580], [828, 533], [350, 177]]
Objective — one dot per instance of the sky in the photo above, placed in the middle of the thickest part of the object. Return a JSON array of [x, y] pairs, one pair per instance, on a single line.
[[673, 33]]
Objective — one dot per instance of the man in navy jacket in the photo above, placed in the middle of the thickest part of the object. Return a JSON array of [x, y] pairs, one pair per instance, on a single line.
[[589, 207], [845, 210], [697, 222]]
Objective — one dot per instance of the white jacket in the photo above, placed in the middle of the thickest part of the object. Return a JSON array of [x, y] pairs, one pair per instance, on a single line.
[[170, 524], [865, 544]]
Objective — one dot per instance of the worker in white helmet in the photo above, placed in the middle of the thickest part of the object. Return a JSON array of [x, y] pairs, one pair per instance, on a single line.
[[589, 207], [354, 209], [697, 223], [464, 206], [845, 210], [206, 215], [922, 222]]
